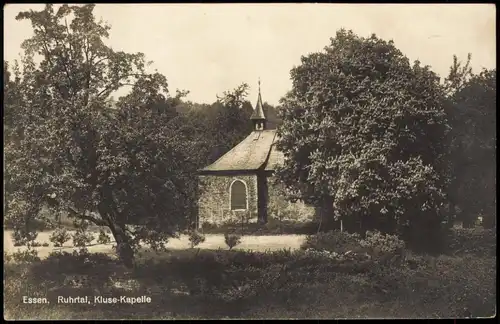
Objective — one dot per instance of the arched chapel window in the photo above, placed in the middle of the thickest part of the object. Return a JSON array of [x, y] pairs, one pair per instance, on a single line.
[[238, 192]]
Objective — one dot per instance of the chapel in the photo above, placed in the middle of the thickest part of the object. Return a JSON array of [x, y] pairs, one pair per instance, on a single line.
[[239, 187]]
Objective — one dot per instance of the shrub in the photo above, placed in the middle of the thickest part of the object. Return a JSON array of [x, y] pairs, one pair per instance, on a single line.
[[384, 243], [34, 244], [7, 257], [232, 240], [195, 238], [275, 226], [59, 237], [82, 237], [272, 227], [26, 256], [103, 237], [22, 237], [333, 241], [385, 248]]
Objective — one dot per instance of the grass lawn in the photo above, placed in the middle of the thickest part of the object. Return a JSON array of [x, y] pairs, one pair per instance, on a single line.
[[212, 283]]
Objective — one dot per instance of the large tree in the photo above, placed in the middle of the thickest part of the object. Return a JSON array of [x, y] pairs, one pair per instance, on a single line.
[[108, 163], [472, 114], [363, 136], [273, 120], [218, 127]]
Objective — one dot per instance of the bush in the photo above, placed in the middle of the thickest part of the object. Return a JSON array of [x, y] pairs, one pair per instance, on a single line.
[[22, 237], [26, 256], [196, 238], [34, 244], [232, 240], [384, 243], [276, 227], [82, 237], [333, 241], [59, 237], [103, 237], [7, 257], [477, 241], [272, 227]]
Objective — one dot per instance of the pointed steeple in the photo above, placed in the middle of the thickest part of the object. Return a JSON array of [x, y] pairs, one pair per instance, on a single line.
[[258, 117]]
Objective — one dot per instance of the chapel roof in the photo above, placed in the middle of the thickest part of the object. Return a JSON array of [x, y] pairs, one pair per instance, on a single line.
[[276, 157], [256, 152]]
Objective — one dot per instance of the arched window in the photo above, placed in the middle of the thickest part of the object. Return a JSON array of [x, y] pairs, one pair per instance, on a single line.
[[238, 195]]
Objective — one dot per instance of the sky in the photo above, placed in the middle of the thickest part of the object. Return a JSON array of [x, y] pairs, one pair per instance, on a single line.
[[211, 48]]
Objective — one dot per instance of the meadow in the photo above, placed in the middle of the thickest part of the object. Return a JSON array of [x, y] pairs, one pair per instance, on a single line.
[[258, 279]]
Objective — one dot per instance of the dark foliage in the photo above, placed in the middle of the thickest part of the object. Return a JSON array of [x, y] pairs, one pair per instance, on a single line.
[[363, 135], [472, 115], [270, 228], [333, 241]]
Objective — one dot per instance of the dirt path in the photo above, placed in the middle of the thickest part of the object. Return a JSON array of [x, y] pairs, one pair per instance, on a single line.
[[213, 241]]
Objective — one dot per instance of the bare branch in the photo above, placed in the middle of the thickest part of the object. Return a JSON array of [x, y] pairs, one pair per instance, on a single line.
[[96, 221], [104, 58]]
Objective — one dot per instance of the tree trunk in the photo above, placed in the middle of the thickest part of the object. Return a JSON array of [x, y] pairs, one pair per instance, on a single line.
[[327, 217], [123, 247]]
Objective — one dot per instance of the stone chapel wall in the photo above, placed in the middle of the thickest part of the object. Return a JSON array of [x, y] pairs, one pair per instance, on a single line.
[[214, 203]]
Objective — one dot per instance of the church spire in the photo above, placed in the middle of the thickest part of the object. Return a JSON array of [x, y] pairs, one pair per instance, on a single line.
[[258, 117]]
